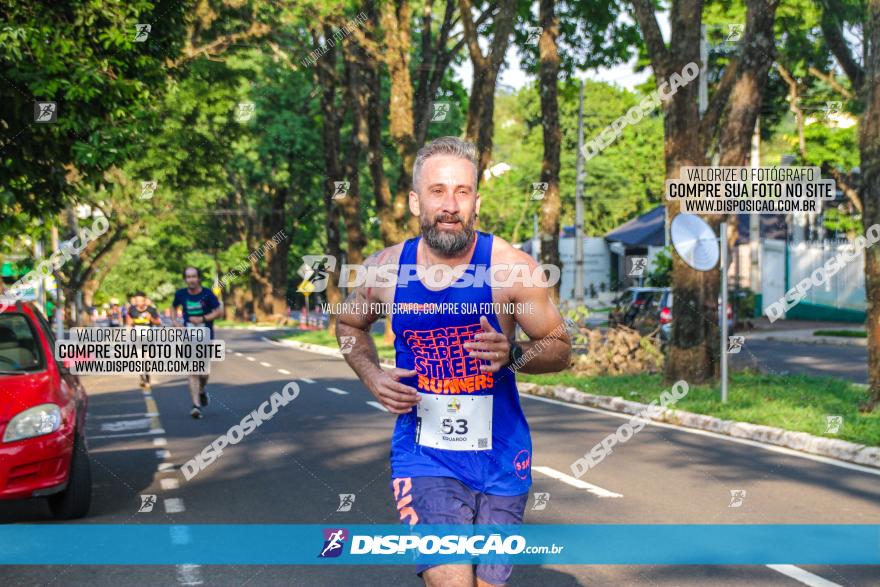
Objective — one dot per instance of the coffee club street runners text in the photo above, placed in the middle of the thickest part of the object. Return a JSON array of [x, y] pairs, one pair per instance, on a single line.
[[156, 350]]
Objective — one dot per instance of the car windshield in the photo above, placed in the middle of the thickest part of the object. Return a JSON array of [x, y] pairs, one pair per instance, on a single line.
[[19, 350]]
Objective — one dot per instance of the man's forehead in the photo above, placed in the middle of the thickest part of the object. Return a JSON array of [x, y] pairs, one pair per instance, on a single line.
[[448, 170]]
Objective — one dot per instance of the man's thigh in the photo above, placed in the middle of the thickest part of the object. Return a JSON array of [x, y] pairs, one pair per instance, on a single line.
[[437, 500], [504, 510]]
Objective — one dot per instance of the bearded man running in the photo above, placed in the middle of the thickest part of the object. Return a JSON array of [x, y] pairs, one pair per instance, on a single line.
[[461, 451]]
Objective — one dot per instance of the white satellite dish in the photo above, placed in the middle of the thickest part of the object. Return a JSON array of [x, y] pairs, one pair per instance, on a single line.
[[694, 241]]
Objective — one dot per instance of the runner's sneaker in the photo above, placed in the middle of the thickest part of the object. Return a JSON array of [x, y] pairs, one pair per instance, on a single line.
[[203, 397], [195, 412]]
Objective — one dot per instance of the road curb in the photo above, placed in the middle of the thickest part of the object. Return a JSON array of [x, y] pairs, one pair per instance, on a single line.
[[801, 441], [323, 350], [820, 340]]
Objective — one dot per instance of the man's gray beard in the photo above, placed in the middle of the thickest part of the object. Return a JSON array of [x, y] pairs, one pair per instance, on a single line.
[[448, 243]]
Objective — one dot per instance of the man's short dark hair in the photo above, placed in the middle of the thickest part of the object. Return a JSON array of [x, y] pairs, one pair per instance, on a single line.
[[198, 271], [139, 294]]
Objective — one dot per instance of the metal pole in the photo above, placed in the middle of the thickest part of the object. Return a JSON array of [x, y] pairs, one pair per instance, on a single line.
[[59, 307], [723, 312], [704, 72], [754, 223], [579, 208], [41, 288], [536, 239]]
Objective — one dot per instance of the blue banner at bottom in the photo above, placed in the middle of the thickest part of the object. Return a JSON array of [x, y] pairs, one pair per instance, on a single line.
[[279, 544]]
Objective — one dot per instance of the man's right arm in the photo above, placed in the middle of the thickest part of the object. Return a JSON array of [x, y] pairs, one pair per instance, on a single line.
[[174, 305], [356, 319]]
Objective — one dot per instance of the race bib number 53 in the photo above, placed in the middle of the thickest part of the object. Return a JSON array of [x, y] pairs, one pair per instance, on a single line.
[[453, 422]]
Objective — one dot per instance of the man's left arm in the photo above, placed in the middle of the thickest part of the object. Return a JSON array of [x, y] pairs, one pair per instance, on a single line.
[[217, 309], [549, 346]]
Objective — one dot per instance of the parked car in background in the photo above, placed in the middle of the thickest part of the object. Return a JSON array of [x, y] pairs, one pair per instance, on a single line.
[[649, 309], [43, 449], [628, 305]]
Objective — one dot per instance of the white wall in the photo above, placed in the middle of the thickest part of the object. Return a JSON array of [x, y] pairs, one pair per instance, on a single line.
[[597, 265]]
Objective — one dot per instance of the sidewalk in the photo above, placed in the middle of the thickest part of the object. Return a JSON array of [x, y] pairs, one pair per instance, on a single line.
[[801, 331]]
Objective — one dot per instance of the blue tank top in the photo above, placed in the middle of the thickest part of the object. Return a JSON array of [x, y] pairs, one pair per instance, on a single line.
[[427, 343]]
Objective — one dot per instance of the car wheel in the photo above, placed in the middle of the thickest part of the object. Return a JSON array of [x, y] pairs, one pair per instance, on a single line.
[[75, 500]]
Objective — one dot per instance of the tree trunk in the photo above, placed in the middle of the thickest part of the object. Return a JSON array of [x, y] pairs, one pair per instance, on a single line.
[[330, 130], [549, 74], [481, 107], [869, 148], [396, 21], [693, 350]]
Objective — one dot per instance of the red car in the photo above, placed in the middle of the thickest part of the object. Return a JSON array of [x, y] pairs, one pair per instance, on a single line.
[[42, 418]]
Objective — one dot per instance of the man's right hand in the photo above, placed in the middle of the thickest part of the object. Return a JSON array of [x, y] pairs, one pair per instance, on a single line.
[[391, 393]]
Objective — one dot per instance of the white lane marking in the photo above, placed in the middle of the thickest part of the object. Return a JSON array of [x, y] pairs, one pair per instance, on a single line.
[[189, 575], [125, 425], [307, 380], [574, 482], [251, 359], [378, 406], [337, 390], [163, 454], [160, 442], [802, 576], [146, 415], [169, 483], [238, 355], [147, 433], [173, 505], [265, 364], [284, 371], [166, 467], [770, 447]]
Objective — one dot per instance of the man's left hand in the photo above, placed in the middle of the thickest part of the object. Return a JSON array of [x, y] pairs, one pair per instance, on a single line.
[[491, 346]]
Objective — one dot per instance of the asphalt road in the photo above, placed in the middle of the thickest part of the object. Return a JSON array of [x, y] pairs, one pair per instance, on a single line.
[[845, 362], [330, 440]]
